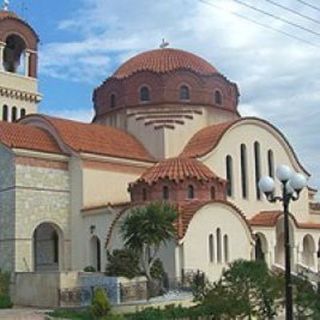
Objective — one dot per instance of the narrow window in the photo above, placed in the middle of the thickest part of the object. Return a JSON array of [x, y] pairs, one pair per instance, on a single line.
[[218, 97], [244, 174], [190, 192], [219, 253], [5, 113], [144, 94], [144, 194], [271, 163], [226, 248], [257, 167], [165, 193], [55, 240], [22, 112], [213, 193], [229, 176], [211, 248], [184, 93], [14, 114], [112, 101]]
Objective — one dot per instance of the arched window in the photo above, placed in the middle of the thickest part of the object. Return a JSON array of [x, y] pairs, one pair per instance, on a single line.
[[219, 251], [184, 93], [217, 97], [22, 112], [213, 193], [270, 163], [165, 193], [244, 171], [226, 248], [229, 175], [257, 167], [14, 53], [112, 100], [144, 94], [55, 240], [144, 194], [14, 114], [190, 192], [211, 248], [5, 113]]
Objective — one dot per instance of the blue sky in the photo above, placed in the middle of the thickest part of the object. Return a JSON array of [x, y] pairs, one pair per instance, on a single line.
[[83, 41]]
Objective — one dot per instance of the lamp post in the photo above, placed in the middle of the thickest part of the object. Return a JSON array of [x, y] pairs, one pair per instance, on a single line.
[[291, 185]]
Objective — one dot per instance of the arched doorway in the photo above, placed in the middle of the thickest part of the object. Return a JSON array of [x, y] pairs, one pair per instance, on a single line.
[[308, 250], [279, 248], [261, 247], [46, 243], [95, 249]]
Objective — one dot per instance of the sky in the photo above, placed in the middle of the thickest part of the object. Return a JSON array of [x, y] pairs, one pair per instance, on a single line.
[[84, 41]]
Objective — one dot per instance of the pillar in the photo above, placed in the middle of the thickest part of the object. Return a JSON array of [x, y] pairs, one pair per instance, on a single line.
[[2, 46], [27, 63]]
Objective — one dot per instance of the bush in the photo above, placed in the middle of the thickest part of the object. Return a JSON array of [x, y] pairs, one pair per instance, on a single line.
[[100, 306], [89, 269], [5, 302], [157, 270], [123, 263]]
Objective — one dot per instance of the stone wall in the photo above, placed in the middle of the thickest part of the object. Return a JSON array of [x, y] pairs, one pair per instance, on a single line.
[[7, 208]]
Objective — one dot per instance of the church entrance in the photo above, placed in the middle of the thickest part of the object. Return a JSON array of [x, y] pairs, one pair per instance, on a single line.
[[46, 244]]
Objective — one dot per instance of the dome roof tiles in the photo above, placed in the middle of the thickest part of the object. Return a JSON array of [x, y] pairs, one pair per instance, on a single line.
[[164, 61], [178, 169]]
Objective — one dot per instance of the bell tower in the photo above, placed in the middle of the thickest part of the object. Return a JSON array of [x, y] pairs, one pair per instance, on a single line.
[[19, 94]]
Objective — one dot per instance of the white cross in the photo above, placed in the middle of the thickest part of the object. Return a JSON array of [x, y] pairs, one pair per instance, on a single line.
[[6, 5]]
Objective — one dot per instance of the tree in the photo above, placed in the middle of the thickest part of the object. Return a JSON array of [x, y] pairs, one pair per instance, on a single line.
[[146, 229], [246, 290]]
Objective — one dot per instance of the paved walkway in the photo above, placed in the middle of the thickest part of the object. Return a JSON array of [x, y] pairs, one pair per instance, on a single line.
[[22, 314]]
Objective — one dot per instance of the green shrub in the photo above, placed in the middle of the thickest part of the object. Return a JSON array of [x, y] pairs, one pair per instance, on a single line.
[[5, 302], [89, 269], [100, 306], [157, 270], [123, 263]]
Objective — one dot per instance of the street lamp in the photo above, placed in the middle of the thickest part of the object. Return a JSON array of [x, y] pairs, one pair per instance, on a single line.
[[292, 183]]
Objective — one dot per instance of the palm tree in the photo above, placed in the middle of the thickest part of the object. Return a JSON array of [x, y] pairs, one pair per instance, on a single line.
[[146, 229]]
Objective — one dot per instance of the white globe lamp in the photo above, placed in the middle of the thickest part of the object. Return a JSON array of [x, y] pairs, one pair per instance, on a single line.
[[298, 182], [266, 185], [283, 173]]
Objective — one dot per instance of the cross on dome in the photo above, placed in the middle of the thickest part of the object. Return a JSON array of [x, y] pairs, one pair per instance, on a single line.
[[164, 44], [6, 5]]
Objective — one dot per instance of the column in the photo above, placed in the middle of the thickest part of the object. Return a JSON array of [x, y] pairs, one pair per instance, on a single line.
[[27, 63], [2, 46]]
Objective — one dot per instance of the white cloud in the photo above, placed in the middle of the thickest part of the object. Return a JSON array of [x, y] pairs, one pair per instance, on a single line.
[[279, 77]]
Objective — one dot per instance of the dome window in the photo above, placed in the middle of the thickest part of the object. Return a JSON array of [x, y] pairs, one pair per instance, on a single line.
[[22, 112], [184, 93], [165, 193], [190, 192], [5, 113], [144, 94], [112, 100], [14, 114], [218, 97]]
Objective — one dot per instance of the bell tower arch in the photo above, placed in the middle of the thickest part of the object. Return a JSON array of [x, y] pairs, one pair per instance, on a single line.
[[19, 94]]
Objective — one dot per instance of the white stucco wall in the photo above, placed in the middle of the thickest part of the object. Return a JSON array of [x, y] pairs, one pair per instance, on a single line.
[[248, 132], [196, 241]]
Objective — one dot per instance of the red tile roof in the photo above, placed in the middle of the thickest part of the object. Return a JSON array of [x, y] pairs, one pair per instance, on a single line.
[[270, 218], [164, 61], [98, 139], [265, 218], [15, 135], [206, 140], [177, 169], [7, 14]]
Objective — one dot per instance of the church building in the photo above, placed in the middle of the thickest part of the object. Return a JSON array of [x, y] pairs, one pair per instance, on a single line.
[[166, 127]]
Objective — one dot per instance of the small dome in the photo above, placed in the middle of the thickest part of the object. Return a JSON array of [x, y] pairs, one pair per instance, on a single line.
[[164, 61], [178, 169]]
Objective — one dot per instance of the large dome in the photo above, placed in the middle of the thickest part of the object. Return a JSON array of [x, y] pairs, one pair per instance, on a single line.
[[164, 61]]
